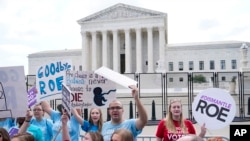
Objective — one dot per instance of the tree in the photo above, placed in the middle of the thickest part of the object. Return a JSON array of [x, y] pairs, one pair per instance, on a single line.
[[199, 79]]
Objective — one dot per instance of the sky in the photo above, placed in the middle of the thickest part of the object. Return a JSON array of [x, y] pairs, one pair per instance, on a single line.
[[31, 26]]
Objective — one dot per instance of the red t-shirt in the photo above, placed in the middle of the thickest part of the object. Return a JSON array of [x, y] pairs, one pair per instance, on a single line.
[[162, 131]]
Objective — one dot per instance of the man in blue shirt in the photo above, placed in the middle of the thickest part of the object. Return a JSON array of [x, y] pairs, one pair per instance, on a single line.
[[116, 112]]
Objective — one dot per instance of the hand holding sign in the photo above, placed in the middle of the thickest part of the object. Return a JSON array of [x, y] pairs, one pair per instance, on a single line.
[[214, 107]]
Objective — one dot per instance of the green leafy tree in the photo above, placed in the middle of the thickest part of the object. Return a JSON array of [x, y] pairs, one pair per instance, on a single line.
[[199, 79]]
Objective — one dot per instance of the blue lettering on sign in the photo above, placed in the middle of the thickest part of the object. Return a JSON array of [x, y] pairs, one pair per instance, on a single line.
[[51, 84], [52, 69]]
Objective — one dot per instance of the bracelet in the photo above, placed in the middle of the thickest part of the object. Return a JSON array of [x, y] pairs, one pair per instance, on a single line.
[[27, 120]]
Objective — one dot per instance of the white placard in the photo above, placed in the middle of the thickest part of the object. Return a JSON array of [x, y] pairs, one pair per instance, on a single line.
[[116, 77], [215, 107]]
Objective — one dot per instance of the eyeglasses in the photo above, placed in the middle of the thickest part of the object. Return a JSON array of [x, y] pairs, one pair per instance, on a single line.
[[37, 110], [115, 108]]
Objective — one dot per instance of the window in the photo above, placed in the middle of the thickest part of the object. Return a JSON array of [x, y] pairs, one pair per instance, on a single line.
[[191, 65], [80, 68], [201, 65], [181, 79], [171, 79], [211, 64], [222, 64], [180, 66], [171, 66], [234, 64], [74, 67], [223, 78]]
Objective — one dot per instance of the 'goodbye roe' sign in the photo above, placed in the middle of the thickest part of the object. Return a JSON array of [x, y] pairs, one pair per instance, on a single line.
[[49, 79], [214, 107]]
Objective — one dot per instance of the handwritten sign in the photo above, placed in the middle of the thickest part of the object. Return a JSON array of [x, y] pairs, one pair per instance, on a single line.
[[89, 89], [13, 94], [215, 107], [49, 79], [32, 96], [13, 131], [66, 99]]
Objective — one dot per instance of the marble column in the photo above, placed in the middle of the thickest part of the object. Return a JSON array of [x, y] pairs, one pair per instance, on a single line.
[[85, 52], [116, 54], [94, 51], [161, 63], [127, 51], [138, 51], [104, 49], [150, 50]]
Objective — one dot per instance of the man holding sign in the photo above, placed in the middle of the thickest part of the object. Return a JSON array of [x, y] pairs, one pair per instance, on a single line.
[[116, 111]]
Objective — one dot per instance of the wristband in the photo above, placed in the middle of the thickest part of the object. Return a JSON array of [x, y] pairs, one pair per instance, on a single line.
[[27, 120]]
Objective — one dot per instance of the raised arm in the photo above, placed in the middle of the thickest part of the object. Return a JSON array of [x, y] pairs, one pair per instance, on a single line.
[[46, 107], [203, 131], [77, 116], [143, 117], [26, 123], [65, 130]]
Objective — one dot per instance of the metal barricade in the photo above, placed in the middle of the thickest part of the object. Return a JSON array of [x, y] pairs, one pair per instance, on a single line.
[[153, 138]]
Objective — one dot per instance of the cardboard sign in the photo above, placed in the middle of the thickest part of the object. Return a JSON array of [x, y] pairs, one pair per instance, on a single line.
[[115, 77], [13, 131], [89, 89], [215, 107], [66, 99], [32, 96], [13, 94], [49, 79]]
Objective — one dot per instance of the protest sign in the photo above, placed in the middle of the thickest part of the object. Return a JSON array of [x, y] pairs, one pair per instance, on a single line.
[[32, 96], [89, 89], [49, 79], [115, 77], [66, 99], [13, 94], [215, 107]]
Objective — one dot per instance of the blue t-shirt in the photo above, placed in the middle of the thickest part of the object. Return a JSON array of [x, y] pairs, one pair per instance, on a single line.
[[87, 127], [108, 128], [73, 126], [46, 126], [36, 132], [7, 123]]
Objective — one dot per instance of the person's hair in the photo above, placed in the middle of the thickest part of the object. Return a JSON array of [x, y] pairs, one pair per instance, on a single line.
[[125, 134], [169, 123], [5, 135], [24, 137], [60, 108], [19, 121], [115, 101], [100, 121], [96, 136]]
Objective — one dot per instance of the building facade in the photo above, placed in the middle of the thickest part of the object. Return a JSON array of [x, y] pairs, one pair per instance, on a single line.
[[133, 40]]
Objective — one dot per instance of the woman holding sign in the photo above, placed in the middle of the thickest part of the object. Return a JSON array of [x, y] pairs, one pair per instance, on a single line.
[[94, 123], [174, 126]]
